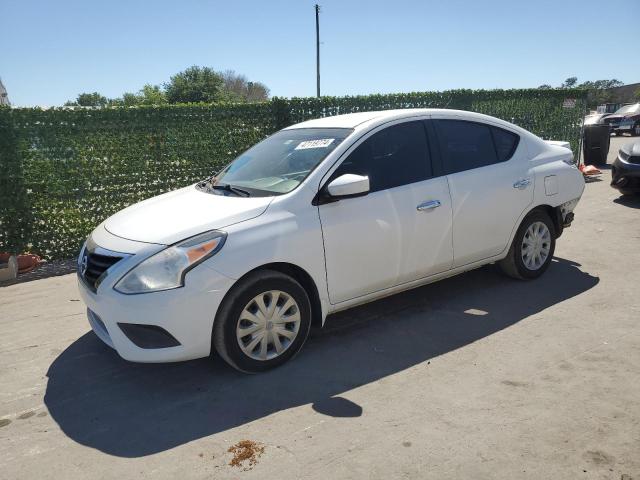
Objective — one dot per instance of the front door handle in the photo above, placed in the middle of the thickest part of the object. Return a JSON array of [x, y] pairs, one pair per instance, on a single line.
[[428, 205], [522, 184]]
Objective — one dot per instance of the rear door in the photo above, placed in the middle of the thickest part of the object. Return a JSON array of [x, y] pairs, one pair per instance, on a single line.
[[399, 231], [490, 182]]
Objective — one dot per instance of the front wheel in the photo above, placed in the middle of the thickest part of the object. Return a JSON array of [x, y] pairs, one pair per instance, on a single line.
[[262, 322], [532, 248]]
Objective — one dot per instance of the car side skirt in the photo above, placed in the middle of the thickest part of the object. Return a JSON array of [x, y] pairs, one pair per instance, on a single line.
[[354, 302]]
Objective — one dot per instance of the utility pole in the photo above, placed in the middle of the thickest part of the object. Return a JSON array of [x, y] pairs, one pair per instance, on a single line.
[[318, 50], [4, 99]]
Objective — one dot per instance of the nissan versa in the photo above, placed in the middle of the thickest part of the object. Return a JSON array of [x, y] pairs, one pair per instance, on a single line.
[[319, 217]]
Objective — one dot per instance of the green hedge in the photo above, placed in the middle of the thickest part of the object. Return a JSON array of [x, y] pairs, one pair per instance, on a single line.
[[66, 170]]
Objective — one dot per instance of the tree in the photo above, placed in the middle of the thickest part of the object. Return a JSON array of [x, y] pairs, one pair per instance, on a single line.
[[195, 84], [636, 94], [238, 88], [148, 95], [601, 84], [257, 92], [152, 95], [89, 100], [235, 85], [600, 90], [128, 100], [545, 86]]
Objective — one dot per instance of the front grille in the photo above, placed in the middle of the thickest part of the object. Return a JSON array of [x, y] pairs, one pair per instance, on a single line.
[[93, 265]]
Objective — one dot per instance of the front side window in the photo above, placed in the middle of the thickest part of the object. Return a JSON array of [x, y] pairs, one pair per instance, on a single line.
[[468, 145], [395, 156], [281, 162]]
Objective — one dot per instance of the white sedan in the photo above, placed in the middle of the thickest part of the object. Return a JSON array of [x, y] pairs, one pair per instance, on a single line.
[[317, 218]]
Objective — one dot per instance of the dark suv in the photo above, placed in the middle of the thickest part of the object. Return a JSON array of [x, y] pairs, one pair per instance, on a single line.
[[625, 171], [625, 119]]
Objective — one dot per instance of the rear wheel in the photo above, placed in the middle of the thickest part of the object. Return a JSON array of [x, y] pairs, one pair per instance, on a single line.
[[532, 248], [262, 322]]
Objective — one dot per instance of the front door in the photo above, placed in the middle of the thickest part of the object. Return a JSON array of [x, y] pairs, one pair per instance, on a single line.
[[401, 230]]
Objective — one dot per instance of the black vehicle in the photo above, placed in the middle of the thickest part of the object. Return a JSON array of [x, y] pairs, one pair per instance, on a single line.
[[625, 171], [624, 120]]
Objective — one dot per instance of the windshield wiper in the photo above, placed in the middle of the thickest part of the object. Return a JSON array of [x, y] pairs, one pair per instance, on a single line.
[[230, 188]]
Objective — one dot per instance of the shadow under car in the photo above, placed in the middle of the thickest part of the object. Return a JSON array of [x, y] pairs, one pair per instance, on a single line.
[[132, 410]]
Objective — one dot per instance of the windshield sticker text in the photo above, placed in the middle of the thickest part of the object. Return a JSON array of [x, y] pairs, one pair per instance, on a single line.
[[321, 143]]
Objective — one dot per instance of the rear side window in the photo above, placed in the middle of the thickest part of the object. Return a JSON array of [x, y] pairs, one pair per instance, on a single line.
[[506, 143], [395, 156], [468, 145]]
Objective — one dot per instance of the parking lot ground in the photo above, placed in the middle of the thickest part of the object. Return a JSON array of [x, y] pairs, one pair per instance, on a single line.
[[475, 377]]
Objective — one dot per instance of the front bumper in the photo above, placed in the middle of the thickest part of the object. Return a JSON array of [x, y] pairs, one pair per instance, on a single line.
[[625, 176], [186, 314], [624, 127]]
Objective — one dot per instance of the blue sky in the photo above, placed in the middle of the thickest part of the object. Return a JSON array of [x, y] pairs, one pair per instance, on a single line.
[[51, 51]]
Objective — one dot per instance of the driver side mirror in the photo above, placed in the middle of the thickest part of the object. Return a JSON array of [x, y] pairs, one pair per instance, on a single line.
[[346, 186]]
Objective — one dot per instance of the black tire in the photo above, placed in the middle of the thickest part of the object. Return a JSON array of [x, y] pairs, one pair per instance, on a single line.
[[224, 339], [513, 264]]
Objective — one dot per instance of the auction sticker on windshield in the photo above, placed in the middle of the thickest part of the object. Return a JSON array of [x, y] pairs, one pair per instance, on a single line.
[[320, 143]]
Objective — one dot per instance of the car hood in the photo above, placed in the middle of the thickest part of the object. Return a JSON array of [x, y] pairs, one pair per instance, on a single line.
[[620, 116], [632, 149], [180, 214], [594, 119]]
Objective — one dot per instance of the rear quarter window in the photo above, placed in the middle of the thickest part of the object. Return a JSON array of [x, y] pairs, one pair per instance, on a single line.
[[506, 143]]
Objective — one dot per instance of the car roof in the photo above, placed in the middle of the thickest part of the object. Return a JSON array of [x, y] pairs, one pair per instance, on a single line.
[[372, 119], [349, 120]]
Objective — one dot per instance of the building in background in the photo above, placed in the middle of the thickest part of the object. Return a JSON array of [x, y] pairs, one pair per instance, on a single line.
[[625, 93], [4, 99]]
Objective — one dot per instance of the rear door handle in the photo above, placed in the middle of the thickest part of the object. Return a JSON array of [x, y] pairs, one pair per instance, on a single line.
[[428, 205], [522, 184]]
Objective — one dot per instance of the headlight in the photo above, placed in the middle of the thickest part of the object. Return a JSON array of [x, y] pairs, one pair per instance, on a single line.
[[166, 269]]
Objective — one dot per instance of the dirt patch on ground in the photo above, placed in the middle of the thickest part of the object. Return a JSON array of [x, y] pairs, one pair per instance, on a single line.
[[245, 454]]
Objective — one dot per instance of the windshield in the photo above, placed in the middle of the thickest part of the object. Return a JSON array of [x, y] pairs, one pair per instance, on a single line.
[[279, 163], [629, 108]]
